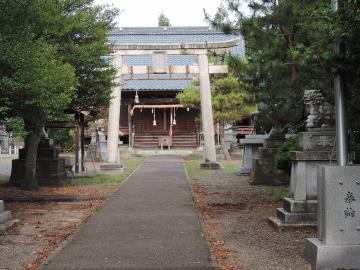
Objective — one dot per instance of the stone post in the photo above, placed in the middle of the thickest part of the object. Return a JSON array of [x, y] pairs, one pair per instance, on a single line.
[[338, 243], [206, 114], [113, 159], [6, 220], [251, 143], [300, 207], [264, 171]]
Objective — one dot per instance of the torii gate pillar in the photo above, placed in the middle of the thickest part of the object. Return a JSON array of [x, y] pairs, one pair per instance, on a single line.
[[207, 115], [113, 159]]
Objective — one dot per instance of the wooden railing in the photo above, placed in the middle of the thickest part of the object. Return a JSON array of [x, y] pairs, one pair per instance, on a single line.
[[244, 130]]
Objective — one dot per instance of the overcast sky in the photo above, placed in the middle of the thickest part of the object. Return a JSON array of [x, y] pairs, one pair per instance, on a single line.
[[146, 12]]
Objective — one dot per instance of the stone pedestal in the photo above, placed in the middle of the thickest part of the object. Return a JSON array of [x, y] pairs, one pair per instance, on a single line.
[[300, 209], [251, 145], [211, 165], [6, 220], [236, 150], [102, 146], [50, 169], [229, 136], [338, 245], [112, 167], [264, 170]]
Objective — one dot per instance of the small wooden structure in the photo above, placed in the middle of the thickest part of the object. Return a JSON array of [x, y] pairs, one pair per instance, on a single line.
[[165, 140]]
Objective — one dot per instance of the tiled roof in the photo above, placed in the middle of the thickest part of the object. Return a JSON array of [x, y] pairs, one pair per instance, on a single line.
[[156, 85], [141, 35], [172, 30], [146, 60], [139, 82]]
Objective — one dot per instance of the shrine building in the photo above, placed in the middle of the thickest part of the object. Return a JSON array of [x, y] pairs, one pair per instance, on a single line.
[[149, 84]]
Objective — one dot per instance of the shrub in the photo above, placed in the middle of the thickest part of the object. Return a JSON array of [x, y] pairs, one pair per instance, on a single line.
[[275, 194], [282, 157]]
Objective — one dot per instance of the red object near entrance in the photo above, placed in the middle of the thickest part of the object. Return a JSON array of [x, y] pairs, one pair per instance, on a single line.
[[170, 131]]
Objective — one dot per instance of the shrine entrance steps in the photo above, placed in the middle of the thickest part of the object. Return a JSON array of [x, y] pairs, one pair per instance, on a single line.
[[149, 223]]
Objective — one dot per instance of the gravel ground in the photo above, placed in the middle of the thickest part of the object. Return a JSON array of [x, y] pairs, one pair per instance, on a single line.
[[235, 216], [42, 228], [91, 190]]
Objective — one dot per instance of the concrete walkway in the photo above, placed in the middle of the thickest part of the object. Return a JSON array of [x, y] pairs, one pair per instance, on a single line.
[[149, 223]]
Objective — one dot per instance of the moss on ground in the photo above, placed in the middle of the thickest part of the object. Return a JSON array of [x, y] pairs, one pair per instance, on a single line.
[[275, 194]]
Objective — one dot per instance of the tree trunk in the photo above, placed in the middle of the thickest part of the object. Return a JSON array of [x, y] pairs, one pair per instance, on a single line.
[[295, 72], [222, 142], [31, 146], [295, 78]]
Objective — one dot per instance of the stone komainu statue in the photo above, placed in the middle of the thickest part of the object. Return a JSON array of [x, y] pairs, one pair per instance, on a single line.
[[320, 112]]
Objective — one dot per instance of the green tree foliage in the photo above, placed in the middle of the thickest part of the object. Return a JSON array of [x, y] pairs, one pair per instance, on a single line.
[[34, 81], [83, 44], [288, 50], [190, 97], [50, 60], [163, 21], [289, 46], [347, 29], [17, 127], [230, 100]]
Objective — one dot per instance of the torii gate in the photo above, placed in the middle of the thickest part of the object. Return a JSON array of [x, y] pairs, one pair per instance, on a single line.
[[203, 69]]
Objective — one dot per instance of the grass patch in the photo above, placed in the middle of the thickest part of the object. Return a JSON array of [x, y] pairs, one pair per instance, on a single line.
[[275, 194], [194, 171], [4, 180], [192, 165], [194, 156], [231, 166], [130, 163]]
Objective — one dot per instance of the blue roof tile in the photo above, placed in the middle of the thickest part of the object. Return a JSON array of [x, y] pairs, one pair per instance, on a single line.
[[155, 84]]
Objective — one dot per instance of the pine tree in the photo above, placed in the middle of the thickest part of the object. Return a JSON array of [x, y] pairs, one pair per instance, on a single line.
[[163, 21], [230, 99], [285, 51]]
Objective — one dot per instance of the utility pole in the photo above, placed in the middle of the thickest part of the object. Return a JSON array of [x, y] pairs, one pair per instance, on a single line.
[[340, 104]]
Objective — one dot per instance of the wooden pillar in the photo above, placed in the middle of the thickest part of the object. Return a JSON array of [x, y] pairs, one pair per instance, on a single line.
[[82, 142], [164, 118], [129, 127], [77, 144]]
